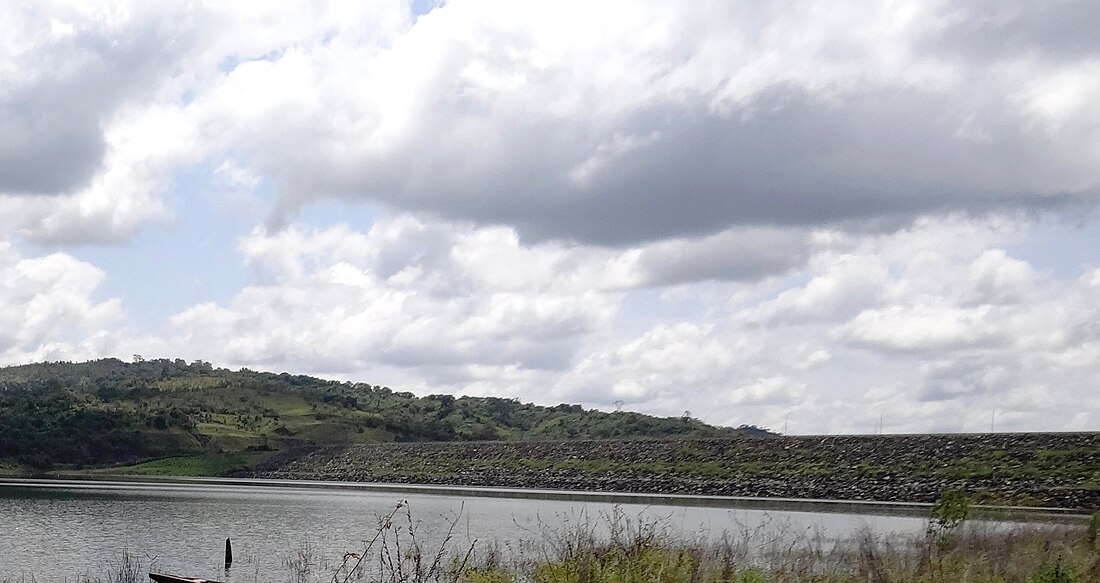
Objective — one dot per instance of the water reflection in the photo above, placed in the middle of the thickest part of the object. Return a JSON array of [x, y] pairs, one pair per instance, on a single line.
[[58, 530]]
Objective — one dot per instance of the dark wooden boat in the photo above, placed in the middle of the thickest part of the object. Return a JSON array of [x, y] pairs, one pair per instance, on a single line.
[[162, 578]]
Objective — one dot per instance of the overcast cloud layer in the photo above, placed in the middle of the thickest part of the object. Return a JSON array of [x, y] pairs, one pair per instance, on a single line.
[[813, 214]]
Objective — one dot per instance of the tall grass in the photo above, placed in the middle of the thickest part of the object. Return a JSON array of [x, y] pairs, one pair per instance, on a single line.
[[615, 548], [643, 552]]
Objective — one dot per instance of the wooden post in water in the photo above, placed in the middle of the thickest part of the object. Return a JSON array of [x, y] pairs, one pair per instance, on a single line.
[[228, 553]]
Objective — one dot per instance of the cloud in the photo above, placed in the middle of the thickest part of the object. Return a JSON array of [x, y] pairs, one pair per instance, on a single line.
[[922, 329], [68, 71], [931, 336], [96, 111], [472, 310], [658, 122], [734, 255], [739, 209], [125, 195], [613, 125], [408, 295], [90, 137], [992, 29], [48, 309], [450, 298]]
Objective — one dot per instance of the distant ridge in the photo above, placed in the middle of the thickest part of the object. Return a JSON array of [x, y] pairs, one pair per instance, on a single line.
[[101, 412]]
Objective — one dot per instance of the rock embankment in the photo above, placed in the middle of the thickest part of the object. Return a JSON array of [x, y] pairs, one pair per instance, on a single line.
[[1042, 469]]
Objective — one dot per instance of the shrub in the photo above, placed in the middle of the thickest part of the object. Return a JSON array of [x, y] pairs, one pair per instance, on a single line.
[[1051, 574], [948, 512]]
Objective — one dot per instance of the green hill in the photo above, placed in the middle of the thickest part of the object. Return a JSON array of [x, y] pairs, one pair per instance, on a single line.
[[104, 412]]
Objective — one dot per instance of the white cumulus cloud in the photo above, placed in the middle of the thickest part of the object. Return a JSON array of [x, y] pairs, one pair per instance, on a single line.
[[48, 309]]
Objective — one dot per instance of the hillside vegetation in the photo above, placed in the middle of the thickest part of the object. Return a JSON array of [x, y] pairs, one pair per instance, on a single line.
[[103, 412]]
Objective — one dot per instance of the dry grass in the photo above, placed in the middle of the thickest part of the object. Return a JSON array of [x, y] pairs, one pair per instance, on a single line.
[[617, 549]]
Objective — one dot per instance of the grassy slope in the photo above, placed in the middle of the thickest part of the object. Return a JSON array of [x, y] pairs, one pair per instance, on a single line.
[[207, 464]]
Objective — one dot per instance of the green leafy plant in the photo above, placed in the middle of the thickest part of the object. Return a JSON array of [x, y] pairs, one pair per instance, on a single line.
[[1052, 574], [949, 511]]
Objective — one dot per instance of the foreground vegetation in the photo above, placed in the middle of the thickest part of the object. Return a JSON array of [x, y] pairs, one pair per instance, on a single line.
[[105, 412], [618, 550]]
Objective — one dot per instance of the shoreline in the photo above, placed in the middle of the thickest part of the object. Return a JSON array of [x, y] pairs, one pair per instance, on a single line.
[[869, 507]]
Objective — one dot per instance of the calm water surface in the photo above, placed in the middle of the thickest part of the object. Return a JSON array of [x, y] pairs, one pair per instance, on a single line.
[[55, 531]]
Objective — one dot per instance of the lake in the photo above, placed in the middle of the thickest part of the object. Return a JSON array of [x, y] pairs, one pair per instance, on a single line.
[[55, 530]]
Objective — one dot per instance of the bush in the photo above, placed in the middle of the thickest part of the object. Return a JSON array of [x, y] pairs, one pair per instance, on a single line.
[[1051, 574], [948, 512]]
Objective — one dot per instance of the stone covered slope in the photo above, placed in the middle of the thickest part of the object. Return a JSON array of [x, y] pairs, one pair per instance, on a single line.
[[1041, 469]]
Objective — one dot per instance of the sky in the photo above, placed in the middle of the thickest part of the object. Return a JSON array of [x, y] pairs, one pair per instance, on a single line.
[[826, 216]]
